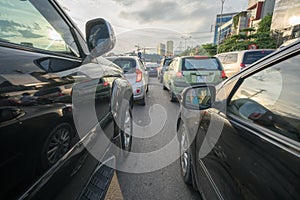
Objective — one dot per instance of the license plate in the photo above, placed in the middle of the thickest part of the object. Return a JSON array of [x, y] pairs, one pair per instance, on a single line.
[[201, 79]]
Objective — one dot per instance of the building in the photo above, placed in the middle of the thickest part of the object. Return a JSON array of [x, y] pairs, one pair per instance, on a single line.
[[239, 23], [286, 20], [170, 48], [161, 49], [257, 10], [220, 20], [234, 26]]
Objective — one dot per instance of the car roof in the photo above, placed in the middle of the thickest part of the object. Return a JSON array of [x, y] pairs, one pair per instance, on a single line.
[[243, 51]]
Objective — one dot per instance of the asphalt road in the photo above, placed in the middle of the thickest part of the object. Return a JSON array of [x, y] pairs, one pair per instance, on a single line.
[[154, 129]]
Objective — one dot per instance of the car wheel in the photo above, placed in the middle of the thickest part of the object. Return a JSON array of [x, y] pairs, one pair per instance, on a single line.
[[185, 155], [57, 144], [163, 83], [126, 132], [143, 101], [147, 89], [172, 96]]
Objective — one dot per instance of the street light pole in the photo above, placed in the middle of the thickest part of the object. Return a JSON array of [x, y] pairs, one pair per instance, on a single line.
[[220, 24]]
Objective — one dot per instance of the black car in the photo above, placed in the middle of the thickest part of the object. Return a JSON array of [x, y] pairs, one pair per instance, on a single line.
[[241, 138], [152, 69], [51, 82]]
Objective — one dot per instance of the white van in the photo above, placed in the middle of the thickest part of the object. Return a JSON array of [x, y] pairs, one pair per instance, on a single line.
[[234, 61]]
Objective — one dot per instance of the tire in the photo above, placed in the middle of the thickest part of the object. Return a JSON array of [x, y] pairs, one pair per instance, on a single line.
[[147, 89], [126, 132], [172, 96], [57, 144], [185, 155]]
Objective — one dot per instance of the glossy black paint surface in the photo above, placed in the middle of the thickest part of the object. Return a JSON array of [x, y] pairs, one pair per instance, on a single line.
[[36, 111], [246, 160]]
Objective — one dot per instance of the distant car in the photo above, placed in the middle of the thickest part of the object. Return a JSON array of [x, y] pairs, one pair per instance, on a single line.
[[152, 68], [135, 73], [164, 63], [241, 138], [235, 61], [190, 70]]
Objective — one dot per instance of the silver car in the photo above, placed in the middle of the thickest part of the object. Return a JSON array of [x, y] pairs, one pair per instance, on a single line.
[[135, 73]]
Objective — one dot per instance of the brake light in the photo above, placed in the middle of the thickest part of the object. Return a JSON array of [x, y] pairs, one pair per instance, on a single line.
[[223, 74], [242, 65], [105, 84], [179, 74], [139, 75]]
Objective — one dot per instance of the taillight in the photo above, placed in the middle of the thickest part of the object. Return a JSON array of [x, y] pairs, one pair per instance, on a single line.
[[242, 65], [105, 84], [139, 75], [223, 74], [179, 74]]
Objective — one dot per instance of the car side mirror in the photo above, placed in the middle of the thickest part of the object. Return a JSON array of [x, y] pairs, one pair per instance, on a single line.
[[198, 97], [100, 37]]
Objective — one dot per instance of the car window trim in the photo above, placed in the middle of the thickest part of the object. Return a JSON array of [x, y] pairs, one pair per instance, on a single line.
[[37, 50]]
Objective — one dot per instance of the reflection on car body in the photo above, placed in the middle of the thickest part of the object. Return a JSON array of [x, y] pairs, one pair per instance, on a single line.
[[43, 78]]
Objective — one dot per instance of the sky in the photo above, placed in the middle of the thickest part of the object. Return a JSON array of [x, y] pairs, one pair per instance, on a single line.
[[145, 23]]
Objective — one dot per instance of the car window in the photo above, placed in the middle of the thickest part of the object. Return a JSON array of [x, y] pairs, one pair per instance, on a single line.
[[231, 58], [251, 57], [166, 62], [189, 64], [127, 64], [271, 98], [31, 29]]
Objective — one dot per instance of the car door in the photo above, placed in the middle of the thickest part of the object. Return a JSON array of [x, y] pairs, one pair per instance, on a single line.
[[42, 52], [169, 75], [256, 155]]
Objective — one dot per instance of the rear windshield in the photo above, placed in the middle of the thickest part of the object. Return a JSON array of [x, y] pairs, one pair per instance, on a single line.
[[127, 64], [251, 57], [189, 64]]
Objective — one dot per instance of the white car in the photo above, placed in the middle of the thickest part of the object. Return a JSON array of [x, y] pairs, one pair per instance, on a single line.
[[135, 73], [235, 61]]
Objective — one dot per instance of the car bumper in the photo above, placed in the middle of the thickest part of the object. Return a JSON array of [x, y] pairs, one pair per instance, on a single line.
[[138, 91]]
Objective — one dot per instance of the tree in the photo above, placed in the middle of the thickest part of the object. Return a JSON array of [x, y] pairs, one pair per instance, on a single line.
[[207, 49], [264, 25], [262, 38]]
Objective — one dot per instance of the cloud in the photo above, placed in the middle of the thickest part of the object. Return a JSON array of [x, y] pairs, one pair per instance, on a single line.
[[29, 34], [155, 11], [126, 2]]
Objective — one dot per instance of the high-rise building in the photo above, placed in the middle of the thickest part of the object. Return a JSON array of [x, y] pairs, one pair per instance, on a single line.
[[170, 48], [161, 49], [220, 20]]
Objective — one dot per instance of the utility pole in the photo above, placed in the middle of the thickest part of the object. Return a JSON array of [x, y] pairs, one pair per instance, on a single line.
[[220, 24], [185, 39]]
